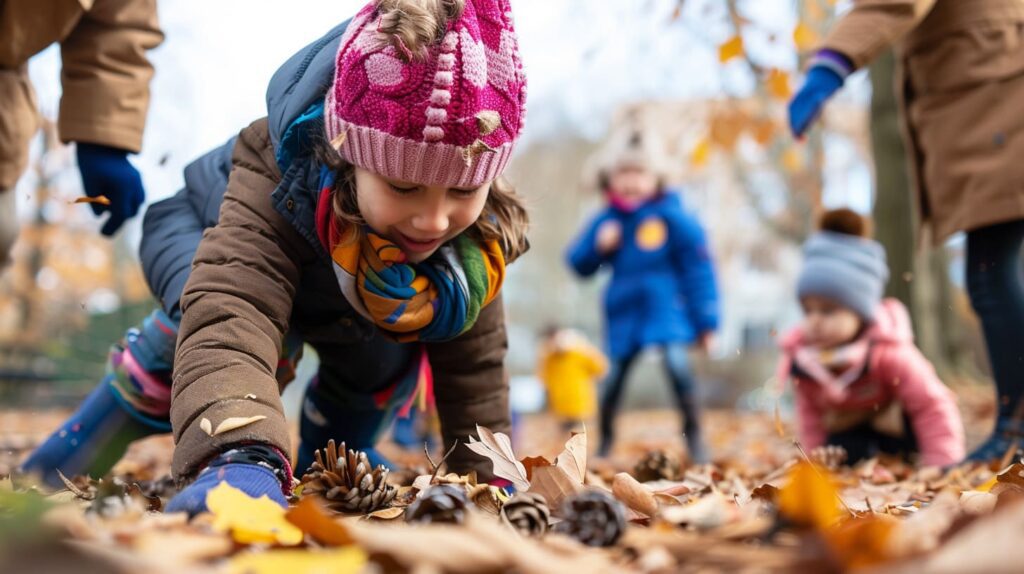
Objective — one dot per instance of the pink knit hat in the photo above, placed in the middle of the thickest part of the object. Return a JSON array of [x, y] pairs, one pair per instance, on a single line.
[[450, 118]]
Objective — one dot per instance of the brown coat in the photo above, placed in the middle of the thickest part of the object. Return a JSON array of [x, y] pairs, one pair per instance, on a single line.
[[249, 274], [105, 75], [962, 87]]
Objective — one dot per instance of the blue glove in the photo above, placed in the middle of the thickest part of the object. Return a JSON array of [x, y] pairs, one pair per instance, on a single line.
[[106, 171], [827, 73], [255, 480]]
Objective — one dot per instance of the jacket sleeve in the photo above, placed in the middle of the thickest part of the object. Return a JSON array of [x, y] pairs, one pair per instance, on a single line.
[[696, 272], [583, 255], [872, 26], [929, 404], [471, 387], [106, 74], [235, 312], [810, 429]]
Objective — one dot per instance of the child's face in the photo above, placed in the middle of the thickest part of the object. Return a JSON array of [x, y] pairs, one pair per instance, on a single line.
[[633, 185], [827, 323], [418, 218]]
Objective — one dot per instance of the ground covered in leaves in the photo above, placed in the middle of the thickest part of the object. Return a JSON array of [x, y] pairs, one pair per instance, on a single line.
[[765, 505]]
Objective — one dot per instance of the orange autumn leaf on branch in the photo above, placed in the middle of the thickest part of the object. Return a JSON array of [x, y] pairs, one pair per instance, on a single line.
[[732, 48], [805, 37], [778, 86]]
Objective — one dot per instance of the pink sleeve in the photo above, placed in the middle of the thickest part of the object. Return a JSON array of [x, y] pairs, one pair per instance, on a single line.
[[810, 431], [929, 404]]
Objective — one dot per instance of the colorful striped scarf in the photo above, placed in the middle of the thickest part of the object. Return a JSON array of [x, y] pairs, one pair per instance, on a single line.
[[435, 300]]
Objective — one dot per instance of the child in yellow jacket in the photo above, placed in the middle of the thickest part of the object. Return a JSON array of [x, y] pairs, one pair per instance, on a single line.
[[570, 367]]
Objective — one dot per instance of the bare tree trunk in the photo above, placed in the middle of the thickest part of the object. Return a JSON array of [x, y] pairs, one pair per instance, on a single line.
[[893, 212], [920, 278]]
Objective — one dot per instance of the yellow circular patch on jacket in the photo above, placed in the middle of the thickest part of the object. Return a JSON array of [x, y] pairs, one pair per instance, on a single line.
[[652, 234]]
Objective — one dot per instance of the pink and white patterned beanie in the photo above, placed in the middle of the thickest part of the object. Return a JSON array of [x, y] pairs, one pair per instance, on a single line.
[[450, 118]]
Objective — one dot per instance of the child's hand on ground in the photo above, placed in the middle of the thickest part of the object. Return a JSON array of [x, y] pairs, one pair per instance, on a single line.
[[254, 480], [609, 236]]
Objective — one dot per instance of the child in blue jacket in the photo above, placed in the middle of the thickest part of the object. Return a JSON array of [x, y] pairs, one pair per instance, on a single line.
[[662, 291]]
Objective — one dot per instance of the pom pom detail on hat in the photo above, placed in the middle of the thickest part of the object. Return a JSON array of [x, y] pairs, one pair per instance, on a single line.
[[445, 111]]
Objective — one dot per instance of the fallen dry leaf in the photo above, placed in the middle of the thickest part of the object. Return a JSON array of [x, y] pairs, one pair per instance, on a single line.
[[554, 485], [310, 516], [809, 497], [335, 561], [232, 423], [634, 495], [498, 449], [573, 460]]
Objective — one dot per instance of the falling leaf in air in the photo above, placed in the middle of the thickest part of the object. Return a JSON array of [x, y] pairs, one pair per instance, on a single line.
[[732, 48], [232, 423], [250, 520], [100, 199]]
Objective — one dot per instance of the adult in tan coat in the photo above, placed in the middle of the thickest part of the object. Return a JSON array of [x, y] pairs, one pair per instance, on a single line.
[[961, 85], [105, 80]]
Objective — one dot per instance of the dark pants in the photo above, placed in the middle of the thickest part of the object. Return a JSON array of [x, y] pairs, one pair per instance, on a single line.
[[863, 442], [995, 283], [677, 366]]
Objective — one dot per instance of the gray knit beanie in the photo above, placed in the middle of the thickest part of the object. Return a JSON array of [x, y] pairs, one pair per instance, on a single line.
[[849, 269]]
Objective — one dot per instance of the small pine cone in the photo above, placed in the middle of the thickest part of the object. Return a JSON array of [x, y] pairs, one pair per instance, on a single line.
[[656, 465], [527, 512], [438, 504], [593, 517], [830, 456], [346, 481]]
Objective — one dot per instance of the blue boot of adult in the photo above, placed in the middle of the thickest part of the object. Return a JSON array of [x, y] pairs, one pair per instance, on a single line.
[[1007, 435]]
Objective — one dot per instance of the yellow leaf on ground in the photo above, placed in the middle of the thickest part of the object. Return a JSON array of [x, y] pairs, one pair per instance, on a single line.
[[805, 37], [339, 561], [250, 520], [809, 497], [778, 84], [730, 49]]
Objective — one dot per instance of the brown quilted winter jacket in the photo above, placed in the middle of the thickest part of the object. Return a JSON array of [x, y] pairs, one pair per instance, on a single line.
[[237, 306]]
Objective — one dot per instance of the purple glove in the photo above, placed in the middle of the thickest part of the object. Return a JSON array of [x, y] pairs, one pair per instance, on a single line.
[[255, 470], [828, 71], [107, 172]]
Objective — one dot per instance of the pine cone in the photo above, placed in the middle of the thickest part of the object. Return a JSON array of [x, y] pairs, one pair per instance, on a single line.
[[830, 456], [527, 512], [438, 504], [656, 465], [346, 482], [593, 517]]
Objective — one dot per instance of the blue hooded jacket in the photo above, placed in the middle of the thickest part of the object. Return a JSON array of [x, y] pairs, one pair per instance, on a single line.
[[663, 280]]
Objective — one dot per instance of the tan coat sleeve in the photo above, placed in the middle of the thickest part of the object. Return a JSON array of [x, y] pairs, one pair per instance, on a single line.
[[872, 26], [236, 306], [106, 75], [471, 387]]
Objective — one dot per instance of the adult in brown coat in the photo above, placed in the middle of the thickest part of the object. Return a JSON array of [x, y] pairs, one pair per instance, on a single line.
[[105, 80], [961, 84]]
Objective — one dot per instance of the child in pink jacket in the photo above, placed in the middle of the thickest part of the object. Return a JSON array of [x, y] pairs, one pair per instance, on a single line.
[[859, 380]]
